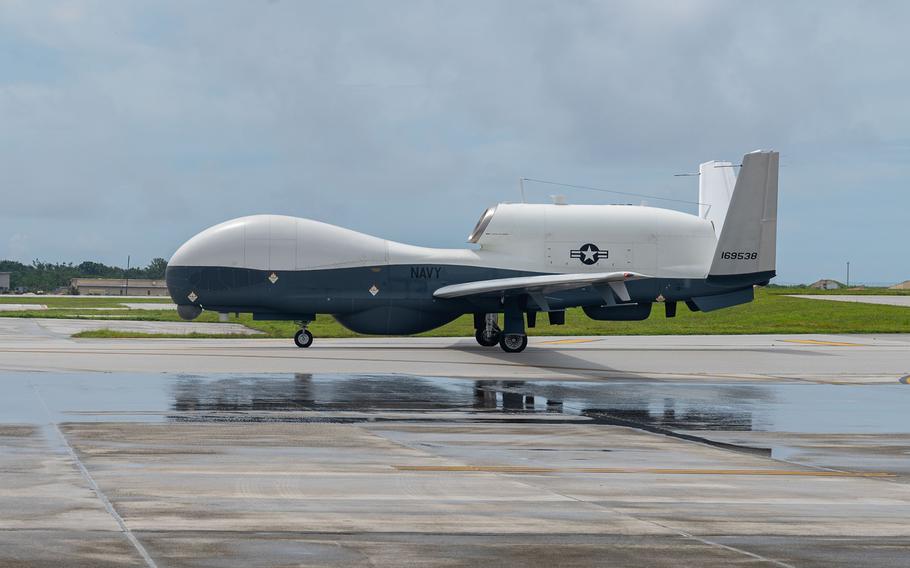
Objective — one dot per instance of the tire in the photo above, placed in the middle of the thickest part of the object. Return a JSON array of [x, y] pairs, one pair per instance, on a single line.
[[513, 342], [485, 340], [303, 338]]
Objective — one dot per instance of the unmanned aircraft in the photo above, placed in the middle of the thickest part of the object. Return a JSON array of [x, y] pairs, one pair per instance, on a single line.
[[613, 261]]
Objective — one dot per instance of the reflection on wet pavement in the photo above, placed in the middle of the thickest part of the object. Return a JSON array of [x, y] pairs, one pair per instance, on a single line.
[[767, 407], [265, 469]]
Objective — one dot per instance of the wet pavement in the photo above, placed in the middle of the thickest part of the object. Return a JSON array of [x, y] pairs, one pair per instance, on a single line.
[[330, 469]]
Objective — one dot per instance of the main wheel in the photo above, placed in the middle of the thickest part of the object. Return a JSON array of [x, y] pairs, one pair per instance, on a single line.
[[488, 339], [303, 338], [513, 342]]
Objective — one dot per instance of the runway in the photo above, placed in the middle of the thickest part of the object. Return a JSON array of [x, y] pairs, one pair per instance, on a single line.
[[624, 451]]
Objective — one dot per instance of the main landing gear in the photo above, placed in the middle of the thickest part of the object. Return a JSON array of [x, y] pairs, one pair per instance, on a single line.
[[513, 342], [488, 334], [303, 338]]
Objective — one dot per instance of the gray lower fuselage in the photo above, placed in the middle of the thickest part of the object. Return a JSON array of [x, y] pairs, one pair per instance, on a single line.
[[398, 299]]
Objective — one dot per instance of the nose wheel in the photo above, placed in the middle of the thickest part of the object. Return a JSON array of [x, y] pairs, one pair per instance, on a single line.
[[303, 338]]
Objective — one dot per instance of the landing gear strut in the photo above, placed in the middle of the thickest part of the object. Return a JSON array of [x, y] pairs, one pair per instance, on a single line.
[[489, 333], [303, 338]]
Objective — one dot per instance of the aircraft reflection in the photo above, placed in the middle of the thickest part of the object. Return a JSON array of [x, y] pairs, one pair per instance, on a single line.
[[696, 407]]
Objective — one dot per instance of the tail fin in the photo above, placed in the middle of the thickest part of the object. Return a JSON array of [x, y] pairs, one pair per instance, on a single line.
[[715, 188], [747, 246]]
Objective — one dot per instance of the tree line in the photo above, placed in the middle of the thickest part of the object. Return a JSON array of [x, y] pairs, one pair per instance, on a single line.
[[49, 276]]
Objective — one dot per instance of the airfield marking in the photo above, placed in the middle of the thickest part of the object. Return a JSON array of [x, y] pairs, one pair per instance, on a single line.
[[565, 341], [817, 342], [658, 471]]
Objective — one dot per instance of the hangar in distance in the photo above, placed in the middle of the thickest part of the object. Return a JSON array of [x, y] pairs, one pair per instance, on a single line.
[[613, 261]]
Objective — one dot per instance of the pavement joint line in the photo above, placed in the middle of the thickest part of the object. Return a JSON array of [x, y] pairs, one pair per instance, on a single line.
[[727, 547], [622, 470], [93, 485], [666, 527]]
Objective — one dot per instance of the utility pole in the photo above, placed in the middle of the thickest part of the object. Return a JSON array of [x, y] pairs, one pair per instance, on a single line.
[[127, 293], [848, 274]]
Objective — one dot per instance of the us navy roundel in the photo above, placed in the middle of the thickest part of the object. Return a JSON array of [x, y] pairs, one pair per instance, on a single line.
[[589, 253]]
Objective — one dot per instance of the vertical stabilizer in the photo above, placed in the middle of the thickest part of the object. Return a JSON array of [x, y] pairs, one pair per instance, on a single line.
[[715, 189], [747, 247]]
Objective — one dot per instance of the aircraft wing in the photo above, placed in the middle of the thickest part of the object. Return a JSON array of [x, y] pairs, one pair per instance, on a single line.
[[608, 283]]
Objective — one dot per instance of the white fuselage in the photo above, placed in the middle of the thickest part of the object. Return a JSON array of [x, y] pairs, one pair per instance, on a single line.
[[524, 237]]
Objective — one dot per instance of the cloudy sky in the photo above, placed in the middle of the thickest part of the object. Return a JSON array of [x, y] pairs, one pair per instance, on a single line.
[[126, 127]]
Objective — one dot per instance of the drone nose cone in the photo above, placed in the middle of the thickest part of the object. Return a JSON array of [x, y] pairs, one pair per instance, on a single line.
[[181, 285], [221, 245], [218, 246]]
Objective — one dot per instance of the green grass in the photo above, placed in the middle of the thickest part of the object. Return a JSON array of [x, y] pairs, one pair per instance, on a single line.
[[771, 312], [80, 301]]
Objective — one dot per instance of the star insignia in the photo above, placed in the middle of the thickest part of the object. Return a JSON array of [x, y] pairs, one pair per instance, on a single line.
[[588, 253]]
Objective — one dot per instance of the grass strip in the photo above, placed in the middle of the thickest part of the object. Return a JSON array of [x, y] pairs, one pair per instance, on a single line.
[[771, 312]]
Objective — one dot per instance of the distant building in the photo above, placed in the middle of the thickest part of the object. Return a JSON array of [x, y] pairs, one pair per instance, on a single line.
[[825, 284], [118, 287], [4, 281], [905, 285]]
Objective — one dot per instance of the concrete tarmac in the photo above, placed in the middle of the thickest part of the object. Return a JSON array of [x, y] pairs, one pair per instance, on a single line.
[[618, 451], [36, 344]]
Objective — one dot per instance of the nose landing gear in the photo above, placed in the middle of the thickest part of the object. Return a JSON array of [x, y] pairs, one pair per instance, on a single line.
[[303, 338]]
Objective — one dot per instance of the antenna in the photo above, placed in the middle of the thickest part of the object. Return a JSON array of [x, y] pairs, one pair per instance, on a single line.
[[548, 182], [715, 165]]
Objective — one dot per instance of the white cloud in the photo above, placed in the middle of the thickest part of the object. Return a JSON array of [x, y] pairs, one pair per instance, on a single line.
[[141, 123]]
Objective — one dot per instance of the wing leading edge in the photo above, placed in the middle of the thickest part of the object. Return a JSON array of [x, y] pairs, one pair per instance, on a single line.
[[607, 283]]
